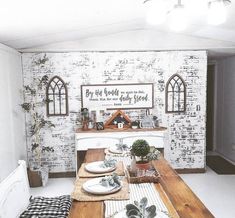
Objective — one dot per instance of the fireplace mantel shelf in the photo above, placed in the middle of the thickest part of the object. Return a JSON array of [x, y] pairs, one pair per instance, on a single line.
[[79, 130]]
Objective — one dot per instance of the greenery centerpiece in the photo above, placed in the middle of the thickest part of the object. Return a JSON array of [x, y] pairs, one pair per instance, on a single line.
[[141, 150]]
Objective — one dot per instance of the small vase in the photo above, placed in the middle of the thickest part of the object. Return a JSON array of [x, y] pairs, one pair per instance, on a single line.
[[133, 165]]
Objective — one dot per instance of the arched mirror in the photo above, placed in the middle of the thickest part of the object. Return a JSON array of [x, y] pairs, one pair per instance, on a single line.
[[57, 97], [175, 94]]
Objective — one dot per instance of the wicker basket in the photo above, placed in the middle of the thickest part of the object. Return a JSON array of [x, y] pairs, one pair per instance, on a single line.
[[143, 179]]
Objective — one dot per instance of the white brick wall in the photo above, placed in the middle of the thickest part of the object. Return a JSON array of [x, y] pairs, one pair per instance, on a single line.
[[186, 131]]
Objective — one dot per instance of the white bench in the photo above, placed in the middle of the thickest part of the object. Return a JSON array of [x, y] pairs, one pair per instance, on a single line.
[[15, 198], [14, 192]]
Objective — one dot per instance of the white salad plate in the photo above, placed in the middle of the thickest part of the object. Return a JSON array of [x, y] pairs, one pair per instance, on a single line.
[[122, 214], [93, 186], [96, 167], [115, 150]]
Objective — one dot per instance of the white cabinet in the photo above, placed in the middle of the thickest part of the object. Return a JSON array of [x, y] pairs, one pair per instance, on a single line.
[[105, 138]]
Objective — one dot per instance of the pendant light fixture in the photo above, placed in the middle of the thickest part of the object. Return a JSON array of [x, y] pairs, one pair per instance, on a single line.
[[176, 13], [178, 17]]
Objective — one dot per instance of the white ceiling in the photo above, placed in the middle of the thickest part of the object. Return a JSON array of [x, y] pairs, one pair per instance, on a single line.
[[29, 25]]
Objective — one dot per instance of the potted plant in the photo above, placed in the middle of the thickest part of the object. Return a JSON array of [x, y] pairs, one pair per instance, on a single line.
[[37, 172], [144, 153]]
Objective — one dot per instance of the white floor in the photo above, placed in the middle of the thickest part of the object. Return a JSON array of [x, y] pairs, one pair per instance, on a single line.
[[55, 187], [217, 192]]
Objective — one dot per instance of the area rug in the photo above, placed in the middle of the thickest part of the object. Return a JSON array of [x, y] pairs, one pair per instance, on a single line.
[[220, 165]]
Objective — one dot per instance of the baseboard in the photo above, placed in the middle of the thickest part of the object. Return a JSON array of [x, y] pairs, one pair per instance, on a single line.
[[193, 170], [62, 174]]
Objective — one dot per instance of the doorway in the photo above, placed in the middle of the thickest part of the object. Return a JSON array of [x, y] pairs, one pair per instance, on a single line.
[[210, 107]]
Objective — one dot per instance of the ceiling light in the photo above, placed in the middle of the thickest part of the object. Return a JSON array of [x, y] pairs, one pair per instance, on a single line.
[[178, 17], [217, 13], [156, 12]]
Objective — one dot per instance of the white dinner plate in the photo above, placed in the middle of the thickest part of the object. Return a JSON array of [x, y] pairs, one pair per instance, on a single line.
[[93, 186], [96, 167], [122, 214]]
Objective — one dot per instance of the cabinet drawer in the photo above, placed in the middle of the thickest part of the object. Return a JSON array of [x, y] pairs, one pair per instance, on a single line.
[[95, 142]]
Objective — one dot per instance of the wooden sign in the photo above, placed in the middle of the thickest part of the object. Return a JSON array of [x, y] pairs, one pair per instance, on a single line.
[[118, 96]]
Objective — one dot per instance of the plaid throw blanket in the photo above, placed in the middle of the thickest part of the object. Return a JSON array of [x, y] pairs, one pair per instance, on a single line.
[[42, 207]]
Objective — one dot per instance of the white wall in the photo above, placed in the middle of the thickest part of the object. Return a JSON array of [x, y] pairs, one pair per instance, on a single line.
[[225, 108], [12, 128]]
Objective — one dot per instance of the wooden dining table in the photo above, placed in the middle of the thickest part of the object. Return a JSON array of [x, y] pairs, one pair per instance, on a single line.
[[174, 192]]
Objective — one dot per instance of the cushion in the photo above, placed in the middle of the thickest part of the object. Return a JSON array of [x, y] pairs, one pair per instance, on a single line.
[[57, 207]]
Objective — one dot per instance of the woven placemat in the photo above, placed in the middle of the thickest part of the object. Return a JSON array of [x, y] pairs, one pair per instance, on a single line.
[[82, 173], [80, 195]]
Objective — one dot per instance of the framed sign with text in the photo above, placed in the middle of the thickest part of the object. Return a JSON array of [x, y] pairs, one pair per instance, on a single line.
[[118, 96]]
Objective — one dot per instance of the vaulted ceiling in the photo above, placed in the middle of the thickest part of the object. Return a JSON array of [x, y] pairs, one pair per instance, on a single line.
[[51, 24]]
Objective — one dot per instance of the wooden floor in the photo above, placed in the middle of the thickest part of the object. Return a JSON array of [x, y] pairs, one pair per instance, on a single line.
[[177, 196]]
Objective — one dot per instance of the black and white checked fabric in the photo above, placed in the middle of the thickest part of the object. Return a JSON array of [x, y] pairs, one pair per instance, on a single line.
[[42, 207]]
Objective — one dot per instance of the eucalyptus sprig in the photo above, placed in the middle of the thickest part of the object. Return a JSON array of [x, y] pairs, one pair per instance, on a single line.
[[112, 180], [122, 147], [108, 163], [154, 154], [140, 209]]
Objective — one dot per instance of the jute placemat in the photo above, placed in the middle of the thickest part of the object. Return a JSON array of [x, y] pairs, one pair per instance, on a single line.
[[80, 195], [82, 173]]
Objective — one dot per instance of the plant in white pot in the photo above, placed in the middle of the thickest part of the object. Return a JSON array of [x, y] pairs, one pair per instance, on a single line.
[[36, 122], [144, 153]]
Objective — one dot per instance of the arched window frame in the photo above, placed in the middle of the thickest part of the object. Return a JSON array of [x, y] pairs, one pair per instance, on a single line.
[[181, 85], [64, 86]]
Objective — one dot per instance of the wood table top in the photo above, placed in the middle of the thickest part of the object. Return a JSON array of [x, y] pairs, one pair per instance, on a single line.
[[176, 195]]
